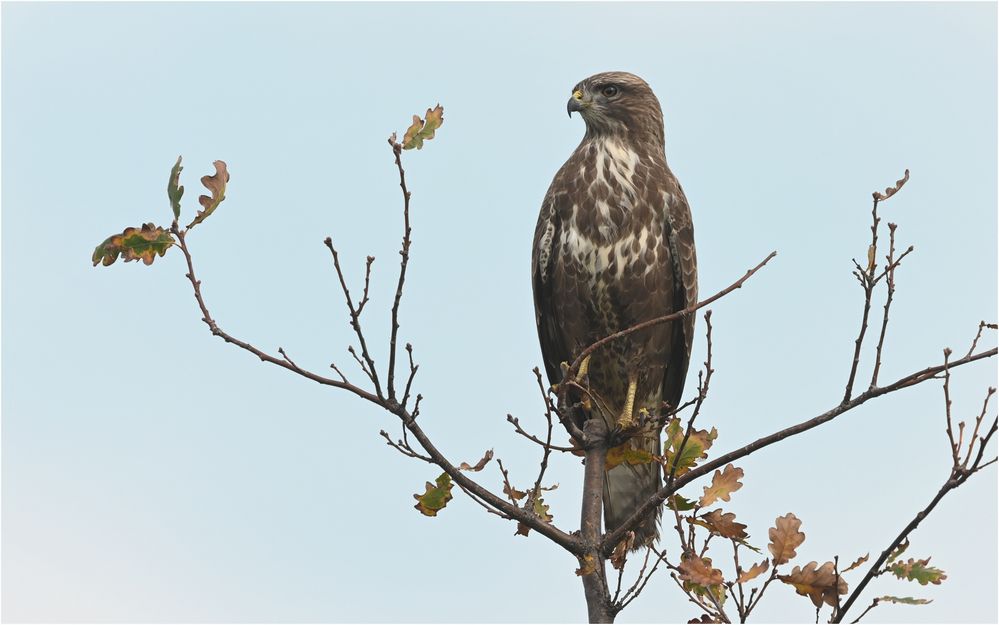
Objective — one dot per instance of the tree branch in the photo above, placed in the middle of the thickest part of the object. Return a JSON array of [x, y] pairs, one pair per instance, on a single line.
[[611, 539]]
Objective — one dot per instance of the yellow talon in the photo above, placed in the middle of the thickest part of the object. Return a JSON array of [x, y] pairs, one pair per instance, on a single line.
[[625, 420], [584, 367]]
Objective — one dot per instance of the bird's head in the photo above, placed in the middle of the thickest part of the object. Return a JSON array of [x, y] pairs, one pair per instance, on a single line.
[[617, 103]]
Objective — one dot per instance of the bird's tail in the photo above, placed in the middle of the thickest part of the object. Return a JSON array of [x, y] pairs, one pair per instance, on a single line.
[[627, 486]]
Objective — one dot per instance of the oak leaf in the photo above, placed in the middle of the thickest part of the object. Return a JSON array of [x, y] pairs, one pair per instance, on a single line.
[[754, 571], [681, 503], [513, 493], [620, 554], [695, 448], [722, 524], [215, 184], [785, 538], [423, 130], [917, 571], [818, 583], [857, 562], [143, 244], [723, 484], [898, 551], [699, 571], [435, 497], [478, 466], [625, 453], [174, 189], [904, 600]]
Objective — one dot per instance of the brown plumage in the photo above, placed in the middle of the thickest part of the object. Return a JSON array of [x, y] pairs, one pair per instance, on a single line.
[[614, 246]]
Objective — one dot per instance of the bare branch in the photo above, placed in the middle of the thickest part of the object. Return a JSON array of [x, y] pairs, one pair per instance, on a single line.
[[217, 331], [702, 393], [403, 264], [355, 321]]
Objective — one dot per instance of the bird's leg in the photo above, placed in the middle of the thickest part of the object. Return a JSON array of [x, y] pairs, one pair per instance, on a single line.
[[625, 420]]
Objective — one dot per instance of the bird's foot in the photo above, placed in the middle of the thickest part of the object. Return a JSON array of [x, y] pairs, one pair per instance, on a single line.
[[626, 420]]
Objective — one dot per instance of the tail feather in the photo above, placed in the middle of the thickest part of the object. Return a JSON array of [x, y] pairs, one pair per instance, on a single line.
[[626, 487]]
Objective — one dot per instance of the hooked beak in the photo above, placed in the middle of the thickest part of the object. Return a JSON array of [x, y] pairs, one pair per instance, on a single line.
[[575, 103]]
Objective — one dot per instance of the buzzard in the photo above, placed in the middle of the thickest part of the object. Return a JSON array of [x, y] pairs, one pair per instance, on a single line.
[[614, 246]]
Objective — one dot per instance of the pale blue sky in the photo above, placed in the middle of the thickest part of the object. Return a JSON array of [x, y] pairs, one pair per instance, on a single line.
[[153, 473]]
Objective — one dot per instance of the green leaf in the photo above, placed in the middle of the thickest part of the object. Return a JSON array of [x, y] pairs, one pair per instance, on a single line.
[[216, 185], [174, 189], [905, 600], [435, 497], [421, 130], [143, 244], [917, 571], [681, 503]]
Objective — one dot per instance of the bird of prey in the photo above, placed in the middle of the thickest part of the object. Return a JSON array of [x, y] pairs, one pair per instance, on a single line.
[[614, 246]]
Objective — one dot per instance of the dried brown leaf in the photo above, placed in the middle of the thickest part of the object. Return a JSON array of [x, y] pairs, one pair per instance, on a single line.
[[890, 191], [754, 571], [818, 583], [620, 555], [722, 524], [785, 538], [478, 466], [699, 571], [857, 562], [723, 484]]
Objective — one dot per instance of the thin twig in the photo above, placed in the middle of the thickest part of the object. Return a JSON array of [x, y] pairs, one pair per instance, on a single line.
[[702, 393], [520, 430], [866, 279], [890, 267], [412, 374], [574, 367], [355, 321], [873, 605], [404, 253], [403, 448]]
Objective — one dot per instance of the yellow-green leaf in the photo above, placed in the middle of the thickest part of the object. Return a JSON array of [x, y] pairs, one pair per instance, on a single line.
[[695, 449], [917, 571], [435, 497], [143, 244], [423, 130], [215, 184], [174, 189], [625, 453], [904, 600]]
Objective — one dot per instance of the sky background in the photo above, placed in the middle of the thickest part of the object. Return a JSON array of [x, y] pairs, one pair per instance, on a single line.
[[151, 472]]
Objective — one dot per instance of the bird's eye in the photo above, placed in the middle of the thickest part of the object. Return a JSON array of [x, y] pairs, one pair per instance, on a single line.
[[609, 91]]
